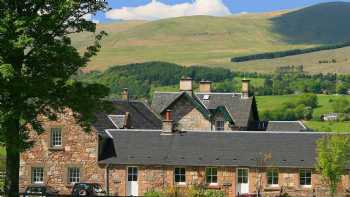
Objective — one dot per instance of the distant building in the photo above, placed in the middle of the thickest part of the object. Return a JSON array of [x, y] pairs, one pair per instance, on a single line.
[[330, 117]]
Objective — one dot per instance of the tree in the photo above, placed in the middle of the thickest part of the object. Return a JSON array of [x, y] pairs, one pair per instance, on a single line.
[[332, 159], [341, 105], [37, 62]]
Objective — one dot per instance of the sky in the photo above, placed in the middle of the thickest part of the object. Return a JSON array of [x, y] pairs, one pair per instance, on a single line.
[[159, 9]]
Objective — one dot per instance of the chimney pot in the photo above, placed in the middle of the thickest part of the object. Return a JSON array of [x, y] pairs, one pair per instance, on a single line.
[[168, 126], [245, 88], [186, 84], [125, 94], [205, 86]]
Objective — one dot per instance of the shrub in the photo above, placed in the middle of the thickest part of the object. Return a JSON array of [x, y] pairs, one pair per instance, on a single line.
[[153, 194], [214, 193]]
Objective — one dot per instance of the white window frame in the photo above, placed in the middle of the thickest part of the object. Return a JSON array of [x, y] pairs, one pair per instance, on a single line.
[[73, 173], [219, 125], [37, 175], [306, 171], [275, 174], [56, 137], [210, 175], [134, 173], [180, 175], [239, 177]]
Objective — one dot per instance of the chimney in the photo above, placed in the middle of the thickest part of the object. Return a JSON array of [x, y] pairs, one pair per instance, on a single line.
[[205, 86], [245, 88], [126, 120], [125, 94], [186, 85], [167, 127]]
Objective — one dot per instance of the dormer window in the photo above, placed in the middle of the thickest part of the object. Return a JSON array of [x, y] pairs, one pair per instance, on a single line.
[[219, 125]]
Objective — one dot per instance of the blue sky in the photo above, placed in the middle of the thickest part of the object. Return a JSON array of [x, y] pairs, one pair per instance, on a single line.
[[157, 9]]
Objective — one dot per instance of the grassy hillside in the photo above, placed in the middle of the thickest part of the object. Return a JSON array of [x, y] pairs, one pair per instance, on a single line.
[[212, 41], [196, 40], [323, 23], [310, 62]]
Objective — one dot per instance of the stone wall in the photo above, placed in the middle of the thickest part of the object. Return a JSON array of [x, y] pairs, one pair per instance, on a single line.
[[160, 178], [186, 116], [79, 150]]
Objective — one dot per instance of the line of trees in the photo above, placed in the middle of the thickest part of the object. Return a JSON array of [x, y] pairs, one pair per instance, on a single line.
[[141, 78], [278, 54]]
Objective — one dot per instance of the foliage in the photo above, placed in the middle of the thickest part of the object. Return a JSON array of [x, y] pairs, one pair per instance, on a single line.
[[190, 191], [152, 194], [139, 78], [214, 193], [341, 105], [279, 54], [332, 159], [37, 61], [299, 109]]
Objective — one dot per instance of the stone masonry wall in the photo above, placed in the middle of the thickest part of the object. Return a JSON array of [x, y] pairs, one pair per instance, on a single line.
[[188, 117], [160, 178], [79, 150]]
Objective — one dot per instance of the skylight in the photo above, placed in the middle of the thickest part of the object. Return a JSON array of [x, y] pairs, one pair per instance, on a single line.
[[206, 97]]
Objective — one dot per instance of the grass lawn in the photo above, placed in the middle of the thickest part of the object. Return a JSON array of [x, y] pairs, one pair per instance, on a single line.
[[329, 126], [325, 106], [273, 102]]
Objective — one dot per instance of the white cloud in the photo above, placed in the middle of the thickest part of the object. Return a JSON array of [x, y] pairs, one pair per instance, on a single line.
[[158, 10], [89, 17]]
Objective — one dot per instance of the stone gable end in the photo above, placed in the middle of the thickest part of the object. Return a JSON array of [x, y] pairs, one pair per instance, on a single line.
[[79, 149]]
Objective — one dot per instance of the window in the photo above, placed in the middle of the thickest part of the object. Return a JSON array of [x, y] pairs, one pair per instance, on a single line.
[[219, 125], [242, 175], [305, 177], [56, 137], [73, 175], [132, 173], [180, 175], [211, 175], [272, 177], [37, 175]]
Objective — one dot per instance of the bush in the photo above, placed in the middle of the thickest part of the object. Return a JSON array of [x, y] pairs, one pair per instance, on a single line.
[[214, 193], [153, 194]]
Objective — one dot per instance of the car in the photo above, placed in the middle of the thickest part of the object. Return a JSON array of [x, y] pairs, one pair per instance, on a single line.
[[87, 189], [40, 190]]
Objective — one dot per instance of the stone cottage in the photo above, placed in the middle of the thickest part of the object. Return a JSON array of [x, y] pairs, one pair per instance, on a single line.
[[184, 138]]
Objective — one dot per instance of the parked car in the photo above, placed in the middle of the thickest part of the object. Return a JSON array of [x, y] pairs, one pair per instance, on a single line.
[[40, 190], [87, 189]]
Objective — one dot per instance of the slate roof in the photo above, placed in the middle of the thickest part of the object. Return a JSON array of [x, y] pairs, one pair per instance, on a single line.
[[288, 149], [286, 126], [238, 108], [140, 116]]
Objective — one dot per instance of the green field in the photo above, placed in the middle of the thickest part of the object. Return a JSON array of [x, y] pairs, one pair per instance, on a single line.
[[329, 126], [325, 106]]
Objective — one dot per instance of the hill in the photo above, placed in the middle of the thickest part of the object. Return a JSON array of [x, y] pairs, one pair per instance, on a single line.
[[212, 41], [319, 24]]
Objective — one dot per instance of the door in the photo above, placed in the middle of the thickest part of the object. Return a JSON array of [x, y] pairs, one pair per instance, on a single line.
[[242, 181], [132, 186]]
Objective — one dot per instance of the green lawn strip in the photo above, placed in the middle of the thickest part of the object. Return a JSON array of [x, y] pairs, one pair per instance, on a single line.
[[329, 126]]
